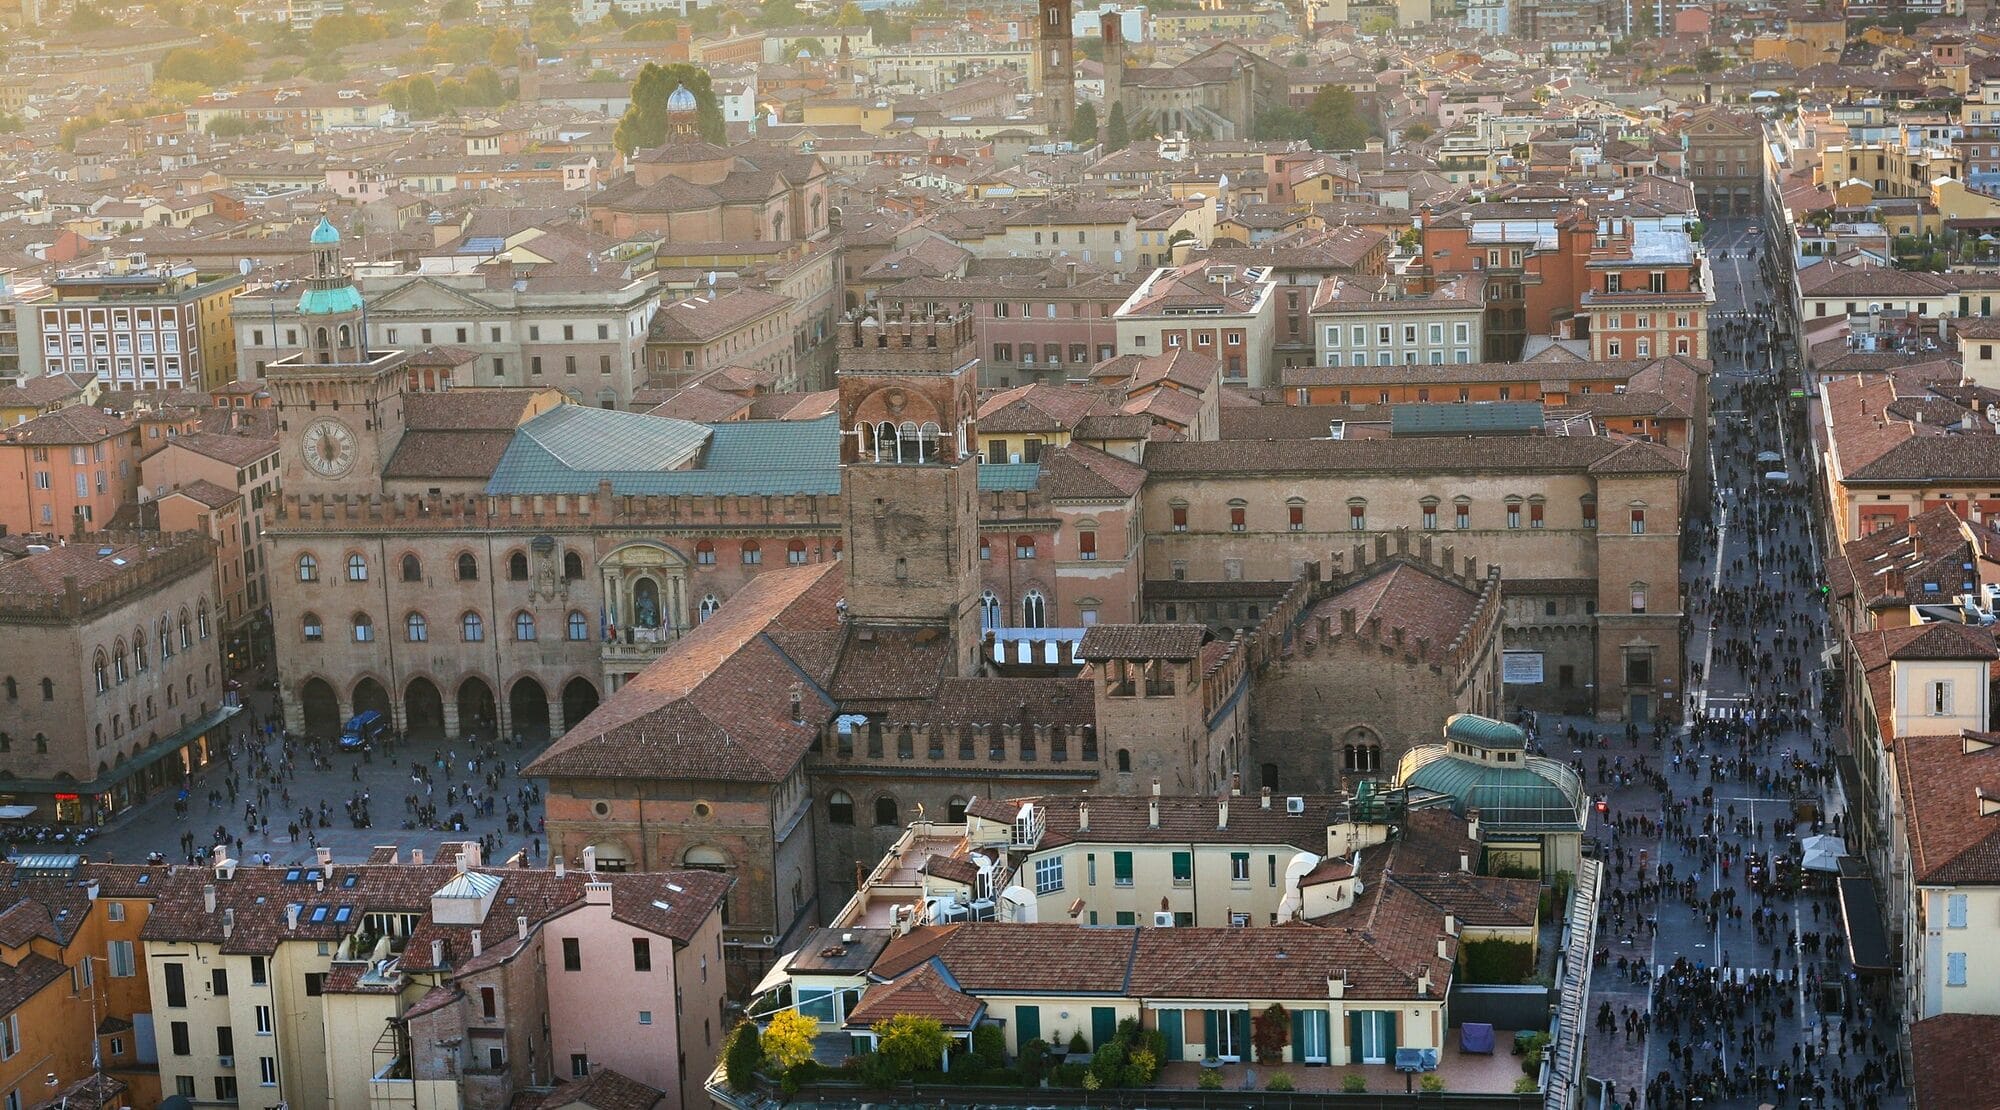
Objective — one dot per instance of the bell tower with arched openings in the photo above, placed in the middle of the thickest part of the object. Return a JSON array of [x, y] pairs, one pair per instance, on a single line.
[[910, 475], [340, 404]]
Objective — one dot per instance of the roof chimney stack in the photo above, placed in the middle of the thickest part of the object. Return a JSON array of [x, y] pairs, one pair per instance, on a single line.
[[437, 952], [208, 897], [228, 922], [1083, 815], [521, 926], [1222, 814], [292, 917], [1264, 798], [478, 943]]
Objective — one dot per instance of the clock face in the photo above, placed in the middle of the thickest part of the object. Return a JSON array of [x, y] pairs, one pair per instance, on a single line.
[[329, 448]]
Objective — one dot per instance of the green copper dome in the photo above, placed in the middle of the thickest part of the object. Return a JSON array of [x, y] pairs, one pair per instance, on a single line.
[[330, 302], [325, 235]]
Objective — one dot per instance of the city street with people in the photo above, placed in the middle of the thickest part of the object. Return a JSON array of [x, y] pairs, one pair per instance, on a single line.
[[274, 797], [1723, 976]]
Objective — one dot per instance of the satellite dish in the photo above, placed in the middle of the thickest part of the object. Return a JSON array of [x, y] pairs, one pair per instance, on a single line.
[[711, 279]]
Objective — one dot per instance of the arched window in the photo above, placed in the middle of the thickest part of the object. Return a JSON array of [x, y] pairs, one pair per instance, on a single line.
[[524, 626], [704, 553], [100, 670], [474, 628], [1361, 751], [468, 567], [885, 442], [312, 629], [990, 614], [118, 671], [1034, 610], [1024, 547], [1357, 514], [954, 809], [139, 653], [364, 628], [187, 636], [346, 336], [753, 553], [705, 859], [166, 641], [707, 609], [201, 619], [579, 626], [413, 568], [572, 566], [308, 569], [357, 567], [885, 811], [517, 567], [795, 553], [1124, 759], [418, 628], [49, 689], [840, 808]]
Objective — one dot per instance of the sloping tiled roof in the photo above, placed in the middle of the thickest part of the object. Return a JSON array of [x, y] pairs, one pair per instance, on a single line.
[[718, 704], [924, 992], [1953, 841], [605, 1089], [1954, 1066], [1143, 641]]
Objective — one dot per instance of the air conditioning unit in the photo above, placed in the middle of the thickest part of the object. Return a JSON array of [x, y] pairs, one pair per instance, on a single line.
[[1163, 919], [226, 1061], [1295, 805]]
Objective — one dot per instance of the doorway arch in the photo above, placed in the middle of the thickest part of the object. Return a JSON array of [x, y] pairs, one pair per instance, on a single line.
[[320, 707], [477, 711], [579, 700], [423, 708], [369, 694], [528, 709]]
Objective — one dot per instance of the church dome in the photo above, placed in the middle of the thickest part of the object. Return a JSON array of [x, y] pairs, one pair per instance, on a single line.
[[325, 235], [681, 100]]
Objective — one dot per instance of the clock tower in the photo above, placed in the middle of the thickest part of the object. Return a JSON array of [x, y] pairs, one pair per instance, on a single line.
[[340, 404]]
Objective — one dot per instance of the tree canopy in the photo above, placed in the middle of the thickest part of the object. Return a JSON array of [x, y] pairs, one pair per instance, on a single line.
[[645, 122]]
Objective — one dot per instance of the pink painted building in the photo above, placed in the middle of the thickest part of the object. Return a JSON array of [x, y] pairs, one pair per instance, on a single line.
[[636, 984]]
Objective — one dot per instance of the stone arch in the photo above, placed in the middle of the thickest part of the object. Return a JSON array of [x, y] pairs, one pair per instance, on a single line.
[[477, 709], [579, 700], [320, 707], [369, 693], [423, 707], [528, 708]]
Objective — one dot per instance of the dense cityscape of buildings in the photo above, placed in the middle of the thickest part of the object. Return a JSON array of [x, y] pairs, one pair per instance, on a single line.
[[1166, 531]]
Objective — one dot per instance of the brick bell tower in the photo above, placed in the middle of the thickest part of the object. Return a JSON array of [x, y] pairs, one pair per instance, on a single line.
[[910, 475], [1055, 64]]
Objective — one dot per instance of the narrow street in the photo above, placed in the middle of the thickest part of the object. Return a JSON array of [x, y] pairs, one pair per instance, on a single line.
[[1721, 975]]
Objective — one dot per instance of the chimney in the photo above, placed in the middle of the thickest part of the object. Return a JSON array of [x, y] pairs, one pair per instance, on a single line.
[[325, 856], [1153, 812], [1236, 784], [521, 926], [1465, 861], [472, 853], [1424, 981], [437, 952], [416, 857], [559, 863], [1222, 814], [1472, 823], [1264, 799], [1083, 816], [590, 860], [208, 897], [228, 922], [798, 707], [90, 889], [479, 944], [1451, 924], [1444, 946], [292, 917], [597, 893]]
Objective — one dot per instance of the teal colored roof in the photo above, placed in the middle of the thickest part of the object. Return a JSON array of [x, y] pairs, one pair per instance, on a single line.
[[1484, 732], [746, 458], [1009, 476], [1541, 794], [581, 438], [325, 235], [1487, 417], [329, 302]]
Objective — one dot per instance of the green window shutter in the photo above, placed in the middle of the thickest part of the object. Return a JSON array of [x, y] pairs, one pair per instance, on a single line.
[[1121, 868], [1027, 1025], [1208, 1033], [1298, 1036], [1176, 1034], [1103, 1025], [1353, 1036], [1126, 917], [1183, 867]]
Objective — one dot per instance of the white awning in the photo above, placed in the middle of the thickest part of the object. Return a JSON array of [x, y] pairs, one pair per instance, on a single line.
[[15, 813], [778, 976]]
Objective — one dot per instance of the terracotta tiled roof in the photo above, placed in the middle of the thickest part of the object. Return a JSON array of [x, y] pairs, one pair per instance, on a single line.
[[24, 980], [464, 410], [1944, 781], [605, 1089], [77, 424], [1038, 407], [700, 404], [719, 700], [1143, 641], [1428, 607], [1953, 1065], [206, 493], [921, 993], [234, 450], [1084, 473], [1948, 640]]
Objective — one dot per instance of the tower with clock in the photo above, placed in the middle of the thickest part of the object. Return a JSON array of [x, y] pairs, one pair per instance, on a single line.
[[340, 404]]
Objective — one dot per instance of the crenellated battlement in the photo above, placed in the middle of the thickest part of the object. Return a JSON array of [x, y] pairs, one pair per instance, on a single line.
[[918, 341]]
